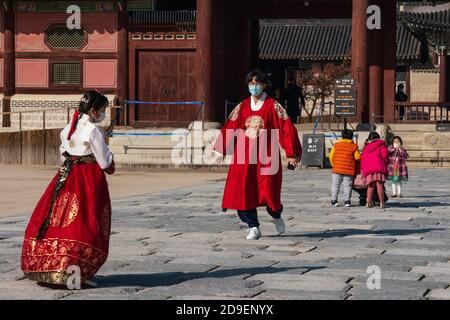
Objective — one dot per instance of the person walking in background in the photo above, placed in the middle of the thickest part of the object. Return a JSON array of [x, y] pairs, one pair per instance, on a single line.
[[343, 158], [374, 163], [398, 171], [294, 100], [401, 96]]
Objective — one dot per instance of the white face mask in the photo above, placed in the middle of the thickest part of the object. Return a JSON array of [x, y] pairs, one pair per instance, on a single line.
[[397, 145], [100, 118]]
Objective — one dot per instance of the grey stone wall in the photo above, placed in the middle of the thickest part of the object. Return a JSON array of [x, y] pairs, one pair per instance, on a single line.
[[33, 115]]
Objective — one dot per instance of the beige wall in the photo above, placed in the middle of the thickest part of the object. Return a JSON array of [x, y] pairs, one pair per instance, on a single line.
[[424, 86]]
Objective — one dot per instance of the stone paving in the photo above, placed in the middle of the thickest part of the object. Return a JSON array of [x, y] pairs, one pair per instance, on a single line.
[[179, 245]]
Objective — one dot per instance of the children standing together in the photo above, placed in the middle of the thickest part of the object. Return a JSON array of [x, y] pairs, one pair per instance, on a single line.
[[378, 163]]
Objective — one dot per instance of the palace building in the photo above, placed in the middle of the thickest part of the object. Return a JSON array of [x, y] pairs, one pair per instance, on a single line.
[[200, 50]]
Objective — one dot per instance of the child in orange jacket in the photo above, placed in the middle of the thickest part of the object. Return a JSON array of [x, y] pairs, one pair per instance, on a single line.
[[343, 159]]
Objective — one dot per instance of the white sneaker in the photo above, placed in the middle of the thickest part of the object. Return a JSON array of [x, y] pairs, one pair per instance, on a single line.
[[253, 233], [280, 225]]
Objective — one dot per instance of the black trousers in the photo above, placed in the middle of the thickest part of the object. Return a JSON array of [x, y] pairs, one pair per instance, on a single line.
[[363, 196], [250, 217]]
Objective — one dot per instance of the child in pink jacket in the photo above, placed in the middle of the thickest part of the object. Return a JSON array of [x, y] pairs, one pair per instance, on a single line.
[[374, 167]]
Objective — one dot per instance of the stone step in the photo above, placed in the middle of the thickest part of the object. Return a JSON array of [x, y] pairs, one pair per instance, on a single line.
[[116, 149], [166, 157], [406, 128], [428, 154], [143, 158], [151, 140], [412, 141], [151, 150], [428, 165], [413, 144]]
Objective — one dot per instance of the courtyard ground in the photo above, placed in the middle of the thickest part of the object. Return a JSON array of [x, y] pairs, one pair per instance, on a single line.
[[175, 243]]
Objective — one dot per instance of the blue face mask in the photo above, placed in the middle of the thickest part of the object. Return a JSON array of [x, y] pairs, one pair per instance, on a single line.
[[255, 89]]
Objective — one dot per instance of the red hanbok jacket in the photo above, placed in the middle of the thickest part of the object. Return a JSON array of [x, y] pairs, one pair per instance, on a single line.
[[253, 179]]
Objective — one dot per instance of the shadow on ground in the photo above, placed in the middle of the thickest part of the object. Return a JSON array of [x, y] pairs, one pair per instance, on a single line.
[[174, 278], [424, 204], [353, 232]]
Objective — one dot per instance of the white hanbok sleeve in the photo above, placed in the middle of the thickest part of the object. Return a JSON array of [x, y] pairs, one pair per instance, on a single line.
[[101, 151], [62, 149]]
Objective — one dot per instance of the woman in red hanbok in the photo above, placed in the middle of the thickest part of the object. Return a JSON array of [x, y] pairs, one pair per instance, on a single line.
[[71, 223], [257, 126]]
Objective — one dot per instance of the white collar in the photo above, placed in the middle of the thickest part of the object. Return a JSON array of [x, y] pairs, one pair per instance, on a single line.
[[85, 117], [256, 106]]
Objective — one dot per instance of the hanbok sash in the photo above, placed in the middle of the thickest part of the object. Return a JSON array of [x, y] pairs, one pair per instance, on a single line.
[[63, 173]]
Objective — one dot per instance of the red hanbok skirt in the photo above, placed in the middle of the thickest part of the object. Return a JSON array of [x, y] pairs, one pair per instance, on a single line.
[[78, 230]]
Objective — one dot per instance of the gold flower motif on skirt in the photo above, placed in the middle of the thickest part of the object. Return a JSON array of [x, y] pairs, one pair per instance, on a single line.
[[105, 221], [253, 126], [281, 111], [235, 113], [65, 210]]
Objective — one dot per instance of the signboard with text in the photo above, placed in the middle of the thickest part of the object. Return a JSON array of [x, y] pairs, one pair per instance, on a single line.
[[313, 149], [345, 98]]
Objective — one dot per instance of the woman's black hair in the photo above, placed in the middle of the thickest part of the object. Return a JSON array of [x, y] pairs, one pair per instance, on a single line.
[[397, 137], [92, 99], [258, 75], [374, 136]]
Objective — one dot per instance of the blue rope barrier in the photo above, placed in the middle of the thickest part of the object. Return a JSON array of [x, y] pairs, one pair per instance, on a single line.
[[137, 134], [316, 123], [166, 103]]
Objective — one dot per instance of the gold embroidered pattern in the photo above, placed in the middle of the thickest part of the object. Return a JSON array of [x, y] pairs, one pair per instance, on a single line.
[[235, 113], [105, 221], [65, 210], [281, 111], [55, 255], [53, 277], [253, 126]]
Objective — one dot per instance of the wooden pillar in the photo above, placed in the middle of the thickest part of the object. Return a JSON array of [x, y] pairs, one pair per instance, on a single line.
[[9, 62], [254, 49], [444, 78], [204, 57], [245, 43], [240, 56], [122, 57], [389, 30], [360, 57], [376, 73]]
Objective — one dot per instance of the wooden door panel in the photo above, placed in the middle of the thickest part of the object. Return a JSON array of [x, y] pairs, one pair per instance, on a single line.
[[165, 76], [186, 87]]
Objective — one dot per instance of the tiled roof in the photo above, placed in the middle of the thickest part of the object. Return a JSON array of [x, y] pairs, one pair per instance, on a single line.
[[431, 17], [305, 41], [322, 41]]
